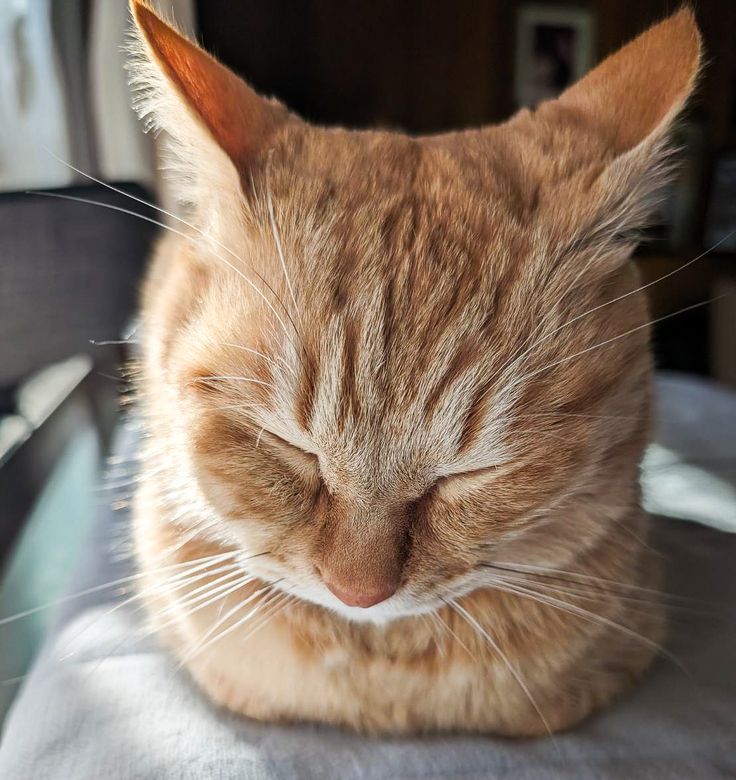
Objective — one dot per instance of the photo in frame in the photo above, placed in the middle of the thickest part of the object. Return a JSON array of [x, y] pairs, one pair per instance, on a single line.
[[554, 48]]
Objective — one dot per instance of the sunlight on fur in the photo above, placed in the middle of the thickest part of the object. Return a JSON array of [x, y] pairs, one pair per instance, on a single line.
[[396, 391]]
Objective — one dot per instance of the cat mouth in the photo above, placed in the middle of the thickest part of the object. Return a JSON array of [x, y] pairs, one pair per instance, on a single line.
[[407, 600], [399, 604]]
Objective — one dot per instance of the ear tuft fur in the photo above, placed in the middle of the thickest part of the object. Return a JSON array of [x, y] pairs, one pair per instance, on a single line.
[[190, 157], [617, 121], [216, 124]]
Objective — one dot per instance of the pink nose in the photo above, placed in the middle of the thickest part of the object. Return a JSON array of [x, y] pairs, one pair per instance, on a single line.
[[354, 596]]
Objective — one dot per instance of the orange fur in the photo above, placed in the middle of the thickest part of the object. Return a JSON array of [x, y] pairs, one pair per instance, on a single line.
[[380, 366]]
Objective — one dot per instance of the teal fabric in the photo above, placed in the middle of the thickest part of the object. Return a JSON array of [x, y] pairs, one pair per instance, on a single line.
[[45, 555]]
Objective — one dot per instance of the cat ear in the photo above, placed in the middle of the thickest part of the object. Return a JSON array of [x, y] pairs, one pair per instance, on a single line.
[[636, 93], [194, 98], [614, 125]]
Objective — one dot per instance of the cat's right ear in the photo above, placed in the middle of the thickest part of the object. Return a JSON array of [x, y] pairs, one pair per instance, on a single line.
[[202, 105]]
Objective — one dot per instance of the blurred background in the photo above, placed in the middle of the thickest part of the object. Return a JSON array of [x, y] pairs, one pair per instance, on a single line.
[[71, 257]]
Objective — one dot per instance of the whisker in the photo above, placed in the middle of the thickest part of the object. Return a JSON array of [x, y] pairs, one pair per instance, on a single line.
[[184, 539], [685, 309], [639, 289], [582, 579], [482, 632], [173, 230], [7, 682], [157, 588], [189, 656], [111, 342], [555, 415], [593, 617], [588, 592], [226, 378], [238, 407], [200, 602], [275, 231], [255, 352], [178, 219], [221, 619], [157, 628], [105, 586], [225, 579], [269, 615], [429, 621], [454, 635]]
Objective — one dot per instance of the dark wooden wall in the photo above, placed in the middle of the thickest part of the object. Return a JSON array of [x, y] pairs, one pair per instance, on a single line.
[[426, 65]]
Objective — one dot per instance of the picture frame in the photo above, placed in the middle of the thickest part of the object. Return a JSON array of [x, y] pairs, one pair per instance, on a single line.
[[554, 48]]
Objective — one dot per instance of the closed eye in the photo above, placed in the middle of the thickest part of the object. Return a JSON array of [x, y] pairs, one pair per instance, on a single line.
[[467, 478], [305, 462]]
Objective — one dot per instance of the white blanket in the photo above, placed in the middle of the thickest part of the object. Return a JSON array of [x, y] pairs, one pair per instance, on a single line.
[[689, 472]]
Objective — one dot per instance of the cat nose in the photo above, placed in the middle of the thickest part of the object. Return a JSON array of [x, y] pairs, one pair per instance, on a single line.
[[356, 596]]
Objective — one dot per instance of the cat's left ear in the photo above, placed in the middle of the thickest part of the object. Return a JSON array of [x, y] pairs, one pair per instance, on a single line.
[[202, 105], [613, 126], [633, 96]]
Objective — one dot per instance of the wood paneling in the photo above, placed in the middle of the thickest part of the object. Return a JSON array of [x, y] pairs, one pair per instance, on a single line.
[[427, 65]]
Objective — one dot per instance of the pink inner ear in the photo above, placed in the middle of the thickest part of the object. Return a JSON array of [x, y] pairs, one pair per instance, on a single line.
[[239, 119], [631, 93]]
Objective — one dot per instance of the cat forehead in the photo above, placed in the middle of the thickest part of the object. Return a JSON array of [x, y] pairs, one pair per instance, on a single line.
[[354, 168], [387, 202]]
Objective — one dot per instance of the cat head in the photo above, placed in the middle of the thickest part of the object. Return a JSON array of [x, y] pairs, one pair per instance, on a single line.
[[378, 362]]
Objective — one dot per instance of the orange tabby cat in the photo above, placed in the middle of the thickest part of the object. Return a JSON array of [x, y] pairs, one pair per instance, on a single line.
[[396, 392]]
